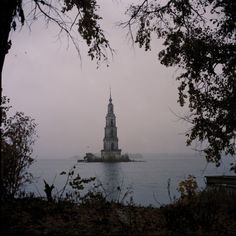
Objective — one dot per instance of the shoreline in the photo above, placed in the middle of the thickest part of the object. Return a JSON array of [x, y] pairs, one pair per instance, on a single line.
[[109, 161]]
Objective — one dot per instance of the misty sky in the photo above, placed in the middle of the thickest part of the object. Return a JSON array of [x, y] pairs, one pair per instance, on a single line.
[[44, 77]]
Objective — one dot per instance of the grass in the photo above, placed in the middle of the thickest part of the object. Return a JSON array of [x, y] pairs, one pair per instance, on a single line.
[[209, 212]]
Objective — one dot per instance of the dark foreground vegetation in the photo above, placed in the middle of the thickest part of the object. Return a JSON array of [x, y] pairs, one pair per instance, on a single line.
[[209, 212]]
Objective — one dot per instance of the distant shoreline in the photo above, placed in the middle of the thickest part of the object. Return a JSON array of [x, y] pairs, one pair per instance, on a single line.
[[109, 161]]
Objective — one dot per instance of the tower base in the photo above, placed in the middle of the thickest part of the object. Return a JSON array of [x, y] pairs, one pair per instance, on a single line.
[[111, 155]]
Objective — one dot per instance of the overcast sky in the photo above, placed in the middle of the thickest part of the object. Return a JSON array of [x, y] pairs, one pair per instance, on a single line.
[[44, 78]]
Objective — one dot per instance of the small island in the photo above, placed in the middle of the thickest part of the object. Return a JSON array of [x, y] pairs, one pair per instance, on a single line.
[[90, 157]]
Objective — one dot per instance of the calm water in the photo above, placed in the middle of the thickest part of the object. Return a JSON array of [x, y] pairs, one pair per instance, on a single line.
[[148, 180]]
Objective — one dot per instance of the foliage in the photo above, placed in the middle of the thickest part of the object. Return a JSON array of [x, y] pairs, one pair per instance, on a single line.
[[85, 190], [233, 167], [75, 183], [211, 212], [86, 21], [188, 187], [17, 137], [69, 15], [199, 39]]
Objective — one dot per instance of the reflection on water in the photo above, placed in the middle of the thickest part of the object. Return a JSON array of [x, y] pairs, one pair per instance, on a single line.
[[111, 179], [114, 181], [147, 179]]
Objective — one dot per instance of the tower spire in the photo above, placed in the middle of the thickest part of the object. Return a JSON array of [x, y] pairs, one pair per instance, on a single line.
[[110, 99]]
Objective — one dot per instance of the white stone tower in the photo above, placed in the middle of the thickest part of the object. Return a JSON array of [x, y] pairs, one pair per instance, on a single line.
[[111, 149]]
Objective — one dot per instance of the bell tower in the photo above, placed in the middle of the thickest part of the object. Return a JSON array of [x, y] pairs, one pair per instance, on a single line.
[[111, 149]]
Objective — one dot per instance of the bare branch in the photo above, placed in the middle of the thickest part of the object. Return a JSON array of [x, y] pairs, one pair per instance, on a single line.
[[62, 26]]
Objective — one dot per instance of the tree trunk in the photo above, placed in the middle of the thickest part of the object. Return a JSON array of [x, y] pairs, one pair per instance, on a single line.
[[8, 8]]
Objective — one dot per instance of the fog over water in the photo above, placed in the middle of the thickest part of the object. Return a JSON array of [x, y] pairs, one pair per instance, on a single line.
[[68, 96]]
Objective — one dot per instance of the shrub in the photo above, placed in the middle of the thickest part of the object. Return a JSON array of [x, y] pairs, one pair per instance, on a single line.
[[17, 137], [188, 187]]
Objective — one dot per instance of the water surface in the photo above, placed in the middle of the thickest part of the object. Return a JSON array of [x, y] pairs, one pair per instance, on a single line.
[[148, 179]]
